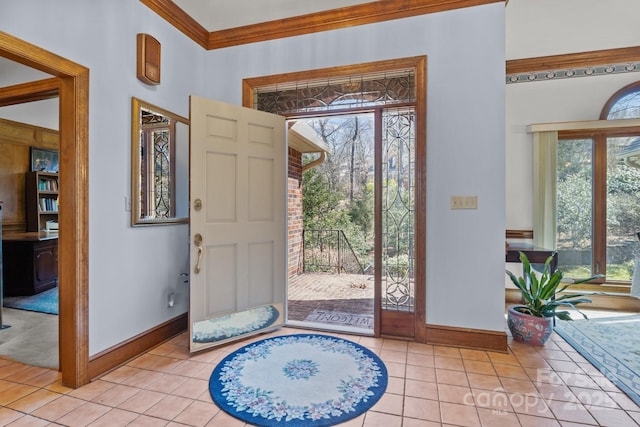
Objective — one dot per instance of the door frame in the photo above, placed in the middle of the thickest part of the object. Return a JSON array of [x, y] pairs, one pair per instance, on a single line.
[[72, 81], [419, 64]]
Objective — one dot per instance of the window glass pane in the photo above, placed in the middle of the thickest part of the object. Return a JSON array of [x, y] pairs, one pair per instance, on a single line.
[[623, 215], [627, 107], [575, 207]]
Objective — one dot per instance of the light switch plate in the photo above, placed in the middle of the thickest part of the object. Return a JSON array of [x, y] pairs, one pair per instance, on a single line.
[[464, 202]]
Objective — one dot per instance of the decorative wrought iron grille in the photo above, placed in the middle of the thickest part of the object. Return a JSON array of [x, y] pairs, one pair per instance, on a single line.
[[398, 200], [338, 93]]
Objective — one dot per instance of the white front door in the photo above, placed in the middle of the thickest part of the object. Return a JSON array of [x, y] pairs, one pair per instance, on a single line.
[[238, 219]]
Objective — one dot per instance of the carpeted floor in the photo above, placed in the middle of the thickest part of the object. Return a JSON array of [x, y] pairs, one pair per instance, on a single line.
[[300, 380], [611, 344], [44, 302]]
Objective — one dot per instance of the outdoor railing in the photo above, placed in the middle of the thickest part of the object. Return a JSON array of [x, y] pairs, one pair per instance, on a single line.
[[329, 251]]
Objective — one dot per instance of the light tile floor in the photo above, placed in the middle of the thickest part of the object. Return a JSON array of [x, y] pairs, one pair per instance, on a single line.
[[428, 386]]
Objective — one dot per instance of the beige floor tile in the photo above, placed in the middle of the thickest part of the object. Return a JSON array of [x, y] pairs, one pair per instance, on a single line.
[[377, 419], [420, 373], [395, 385], [439, 350], [7, 416], [396, 369], [421, 389], [611, 417], [420, 348], [197, 414], [33, 401], [166, 383], [478, 367], [571, 411], [191, 389], [451, 363], [29, 421], [423, 409], [533, 421], [460, 415], [389, 404], [169, 407], [57, 408], [92, 390], [393, 356], [419, 359], [485, 382], [446, 376], [412, 422], [115, 395], [15, 392], [455, 394], [115, 418], [143, 378], [493, 418], [489, 399], [142, 401], [477, 355], [83, 415]]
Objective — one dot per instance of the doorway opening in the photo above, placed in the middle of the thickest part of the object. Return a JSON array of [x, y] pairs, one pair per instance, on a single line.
[[334, 284]]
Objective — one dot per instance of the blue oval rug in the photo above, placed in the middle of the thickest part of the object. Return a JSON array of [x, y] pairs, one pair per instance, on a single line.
[[300, 380]]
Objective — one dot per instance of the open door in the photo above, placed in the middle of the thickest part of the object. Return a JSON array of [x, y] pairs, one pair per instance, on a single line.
[[237, 222]]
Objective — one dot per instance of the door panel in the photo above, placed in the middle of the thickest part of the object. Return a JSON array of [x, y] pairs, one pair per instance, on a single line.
[[238, 222]]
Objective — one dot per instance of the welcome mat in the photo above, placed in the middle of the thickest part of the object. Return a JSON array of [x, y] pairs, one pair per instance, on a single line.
[[298, 380], [340, 318], [612, 345], [44, 302]]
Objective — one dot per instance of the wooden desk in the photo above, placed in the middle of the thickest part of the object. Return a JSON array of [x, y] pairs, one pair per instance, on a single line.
[[30, 262], [534, 254]]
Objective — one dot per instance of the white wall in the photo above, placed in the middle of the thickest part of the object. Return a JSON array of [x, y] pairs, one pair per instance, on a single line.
[[131, 270], [551, 27], [465, 138]]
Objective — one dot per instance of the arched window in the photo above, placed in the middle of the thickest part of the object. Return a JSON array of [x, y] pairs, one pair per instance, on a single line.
[[597, 193]]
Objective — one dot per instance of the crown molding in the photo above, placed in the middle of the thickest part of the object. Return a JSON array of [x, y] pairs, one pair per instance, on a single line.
[[573, 60], [377, 11], [177, 17]]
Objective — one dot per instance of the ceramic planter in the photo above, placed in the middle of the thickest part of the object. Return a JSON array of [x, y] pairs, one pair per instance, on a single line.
[[529, 329]]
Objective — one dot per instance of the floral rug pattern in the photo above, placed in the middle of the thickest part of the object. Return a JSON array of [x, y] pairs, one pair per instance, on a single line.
[[612, 345], [235, 324], [300, 380]]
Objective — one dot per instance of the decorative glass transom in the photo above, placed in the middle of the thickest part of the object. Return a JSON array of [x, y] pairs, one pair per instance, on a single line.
[[338, 93]]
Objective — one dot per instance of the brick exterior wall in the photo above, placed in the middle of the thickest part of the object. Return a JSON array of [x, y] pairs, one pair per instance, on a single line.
[[294, 184]]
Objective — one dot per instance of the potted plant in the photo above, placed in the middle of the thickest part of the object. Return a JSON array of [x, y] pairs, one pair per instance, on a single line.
[[532, 321]]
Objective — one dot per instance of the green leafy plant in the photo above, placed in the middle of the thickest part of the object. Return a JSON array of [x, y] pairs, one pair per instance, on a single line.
[[541, 296]]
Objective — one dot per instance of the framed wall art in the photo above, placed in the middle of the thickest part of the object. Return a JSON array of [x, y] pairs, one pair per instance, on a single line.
[[44, 160]]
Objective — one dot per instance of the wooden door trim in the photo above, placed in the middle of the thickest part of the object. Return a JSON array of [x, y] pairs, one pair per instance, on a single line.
[[74, 161]]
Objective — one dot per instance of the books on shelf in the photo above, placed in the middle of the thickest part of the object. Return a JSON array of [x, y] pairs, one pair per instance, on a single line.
[[48, 184], [48, 204]]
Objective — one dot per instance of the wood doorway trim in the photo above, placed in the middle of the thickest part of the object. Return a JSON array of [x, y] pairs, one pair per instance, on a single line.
[[419, 64], [73, 242]]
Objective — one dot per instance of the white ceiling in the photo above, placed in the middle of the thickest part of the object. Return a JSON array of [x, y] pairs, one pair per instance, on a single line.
[[216, 15]]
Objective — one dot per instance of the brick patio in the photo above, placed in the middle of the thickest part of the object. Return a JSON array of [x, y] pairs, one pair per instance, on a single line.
[[345, 299]]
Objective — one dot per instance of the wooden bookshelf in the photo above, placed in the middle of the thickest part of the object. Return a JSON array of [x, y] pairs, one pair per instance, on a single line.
[[42, 199]]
